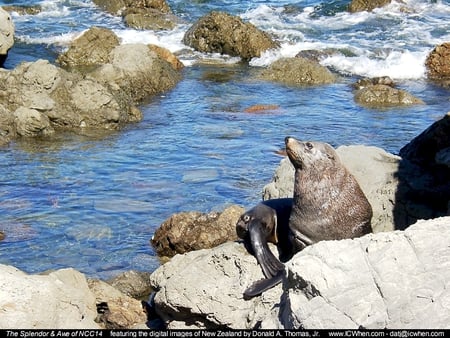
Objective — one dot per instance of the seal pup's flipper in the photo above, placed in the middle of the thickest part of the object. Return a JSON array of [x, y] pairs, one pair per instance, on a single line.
[[270, 265], [262, 285]]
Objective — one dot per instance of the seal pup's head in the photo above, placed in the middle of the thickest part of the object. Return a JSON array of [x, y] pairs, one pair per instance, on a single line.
[[307, 154]]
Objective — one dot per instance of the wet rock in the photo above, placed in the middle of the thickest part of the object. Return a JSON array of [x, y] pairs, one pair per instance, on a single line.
[[167, 55], [187, 231], [438, 63], [367, 82], [366, 5], [392, 280], [91, 48], [30, 122], [7, 128], [219, 32], [382, 95], [116, 310], [59, 300], [298, 71], [6, 34], [134, 284], [144, 14], [23, 10]]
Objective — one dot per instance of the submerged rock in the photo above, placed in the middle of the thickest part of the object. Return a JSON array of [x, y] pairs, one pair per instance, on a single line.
[[219, 32]]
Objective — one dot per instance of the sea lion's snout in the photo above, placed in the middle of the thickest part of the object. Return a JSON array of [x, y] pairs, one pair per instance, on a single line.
[[287, 139]]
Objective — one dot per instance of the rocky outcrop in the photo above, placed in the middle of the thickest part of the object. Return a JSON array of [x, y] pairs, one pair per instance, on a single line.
[[23, 9], [118, 311], [298, 71], [379, 92], [134, 284], [61, 299], [380, 95], [105, 83], [219, 32], [438, 64], [6, 34], [41, 97], [145, 14], [187, 231], [64, 299], [92, 48], [425, 169], [366, 5], [387, 280]]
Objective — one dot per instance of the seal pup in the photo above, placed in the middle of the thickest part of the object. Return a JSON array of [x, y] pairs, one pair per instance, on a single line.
[[328, 204], [267, 222]]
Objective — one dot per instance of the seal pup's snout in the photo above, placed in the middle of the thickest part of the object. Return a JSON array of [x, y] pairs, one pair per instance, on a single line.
[[287, 139]]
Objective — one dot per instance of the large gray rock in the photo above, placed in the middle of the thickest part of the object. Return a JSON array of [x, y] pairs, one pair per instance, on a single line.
[[59, 300], [374, 169], [219, 32], [6, 34], [203, 289], [381, 95], [396, 279]]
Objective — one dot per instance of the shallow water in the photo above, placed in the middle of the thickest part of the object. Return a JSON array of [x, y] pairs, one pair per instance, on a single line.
[[93, 201]]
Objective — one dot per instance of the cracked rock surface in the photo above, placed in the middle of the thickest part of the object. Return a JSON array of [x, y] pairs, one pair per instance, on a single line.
[[396, 279]]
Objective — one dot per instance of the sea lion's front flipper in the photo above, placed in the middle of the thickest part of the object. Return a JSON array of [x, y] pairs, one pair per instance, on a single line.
[[270, 265], [262, 285]]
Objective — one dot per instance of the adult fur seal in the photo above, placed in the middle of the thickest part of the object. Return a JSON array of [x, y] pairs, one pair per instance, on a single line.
[[328, 204], [267, 222]]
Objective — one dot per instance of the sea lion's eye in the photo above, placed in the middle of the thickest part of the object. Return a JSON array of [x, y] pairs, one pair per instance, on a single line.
[[246, 218], [309, 145]]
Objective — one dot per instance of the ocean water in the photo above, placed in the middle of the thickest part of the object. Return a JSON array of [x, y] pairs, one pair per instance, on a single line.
[[93, 201]]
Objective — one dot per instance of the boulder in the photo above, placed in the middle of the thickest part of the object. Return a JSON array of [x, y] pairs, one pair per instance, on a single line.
[[397, 279], [6, 34], [117, 7], [366, 5], [203, 289], [117, 310], [298, 71], [90, 48], [438, 63], [381, 95], [7, 127], [30, 122], [134, 284], [219, 32], [425, 167], [145, 14], [137, 71], [59, 300], [187, 231], [43, 97], [393, 280]]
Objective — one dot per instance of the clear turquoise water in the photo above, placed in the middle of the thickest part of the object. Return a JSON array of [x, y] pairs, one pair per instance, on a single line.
[[93, 202]]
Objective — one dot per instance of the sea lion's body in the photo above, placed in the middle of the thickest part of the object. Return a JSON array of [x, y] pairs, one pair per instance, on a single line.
[[328, 204]]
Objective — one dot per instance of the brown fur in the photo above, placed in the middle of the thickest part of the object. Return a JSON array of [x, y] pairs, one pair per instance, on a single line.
[[328, 201]]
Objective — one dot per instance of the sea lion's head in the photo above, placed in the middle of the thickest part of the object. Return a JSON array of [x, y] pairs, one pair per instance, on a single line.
[[309, 154], [261, 216]]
